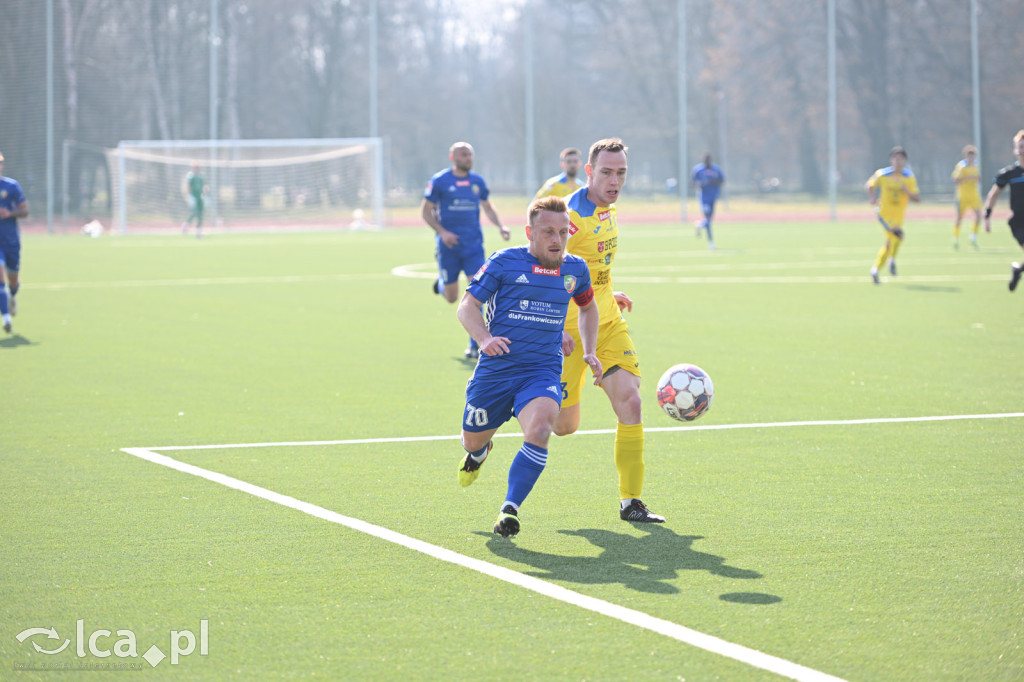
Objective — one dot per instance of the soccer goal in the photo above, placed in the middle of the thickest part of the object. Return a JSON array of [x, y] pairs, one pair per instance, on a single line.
[[255, 184]]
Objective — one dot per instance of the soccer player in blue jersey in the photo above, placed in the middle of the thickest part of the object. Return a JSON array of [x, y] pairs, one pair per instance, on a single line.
[[451, 207], [709, 179], [527, 290], [13, 205], [1012, 175]]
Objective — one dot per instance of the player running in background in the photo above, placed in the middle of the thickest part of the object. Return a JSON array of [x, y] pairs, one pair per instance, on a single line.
[[889, 190], [1013, 176], [13, 205], [451, 207], [566, 182], [195, 192], [594, 236], [708, 178], [968, 197], [527, 290]]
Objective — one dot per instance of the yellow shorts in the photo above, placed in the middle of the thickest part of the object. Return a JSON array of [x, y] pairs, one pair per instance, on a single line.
[[968, 204], [614, 348]]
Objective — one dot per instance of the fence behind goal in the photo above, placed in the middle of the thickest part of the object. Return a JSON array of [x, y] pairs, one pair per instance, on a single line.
[[249, 184]]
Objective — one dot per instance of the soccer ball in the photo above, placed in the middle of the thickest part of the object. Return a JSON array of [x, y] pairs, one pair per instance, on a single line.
[[685, 392]]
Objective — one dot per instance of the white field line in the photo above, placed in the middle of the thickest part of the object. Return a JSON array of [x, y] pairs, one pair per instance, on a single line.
[[678, 632], [428, 271], [203, 281], [595, 432]]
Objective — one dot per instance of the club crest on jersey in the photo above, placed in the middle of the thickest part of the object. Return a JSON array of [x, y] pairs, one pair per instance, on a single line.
[[570, 283], [476, 189], [541, 270], [572, 228], [524, 304]]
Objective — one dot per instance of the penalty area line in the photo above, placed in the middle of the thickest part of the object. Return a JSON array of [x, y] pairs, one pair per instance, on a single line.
[[660, 626], [599, 432]]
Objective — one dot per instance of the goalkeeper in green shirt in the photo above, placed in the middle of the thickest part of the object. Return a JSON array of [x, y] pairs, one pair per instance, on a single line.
[[195, 189]]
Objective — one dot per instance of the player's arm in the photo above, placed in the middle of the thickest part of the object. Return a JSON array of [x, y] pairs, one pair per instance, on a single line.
[[429, 212], [590, 320], [492, 215], [20, 211], [472, 319], [990, 203], [624, 302], [869, 186], [911, 191]]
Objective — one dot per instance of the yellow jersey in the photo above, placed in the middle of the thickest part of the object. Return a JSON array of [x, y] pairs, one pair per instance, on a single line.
[[559, 186], [967, 176], [594, 237], [892, 200]]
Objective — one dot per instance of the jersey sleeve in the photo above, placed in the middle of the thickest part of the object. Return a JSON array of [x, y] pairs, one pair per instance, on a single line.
[[873, 180], [584, 293], [487, 280], [432, 193], [484, 190], [912, 184]]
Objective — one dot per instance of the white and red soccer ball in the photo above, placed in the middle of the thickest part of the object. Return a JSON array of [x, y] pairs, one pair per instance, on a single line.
[[685, 392]]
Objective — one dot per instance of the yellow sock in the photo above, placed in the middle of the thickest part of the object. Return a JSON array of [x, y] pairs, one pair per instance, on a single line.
[[629, 459]]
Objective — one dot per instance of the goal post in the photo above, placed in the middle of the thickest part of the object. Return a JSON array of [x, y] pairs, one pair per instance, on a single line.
[[311, 183]]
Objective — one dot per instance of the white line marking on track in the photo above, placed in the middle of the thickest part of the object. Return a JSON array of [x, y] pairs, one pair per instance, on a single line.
[[678, 632]]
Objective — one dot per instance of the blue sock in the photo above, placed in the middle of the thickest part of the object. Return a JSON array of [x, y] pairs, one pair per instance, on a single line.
[[526, 468], [3, 301]]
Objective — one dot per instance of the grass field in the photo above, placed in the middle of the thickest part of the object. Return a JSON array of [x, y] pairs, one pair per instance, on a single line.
[[818, 528]]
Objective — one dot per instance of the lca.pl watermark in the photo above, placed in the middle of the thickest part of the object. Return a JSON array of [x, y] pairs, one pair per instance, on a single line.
[[98, 644]]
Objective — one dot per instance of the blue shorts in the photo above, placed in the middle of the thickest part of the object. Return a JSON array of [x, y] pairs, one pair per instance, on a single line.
[[450, 262], [10, 256], [707, 204], [491, 402]]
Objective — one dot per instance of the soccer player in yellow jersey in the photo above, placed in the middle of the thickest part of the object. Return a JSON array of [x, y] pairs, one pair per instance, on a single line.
[[889, 190], [566, 182], [594, 236], [968, 198]]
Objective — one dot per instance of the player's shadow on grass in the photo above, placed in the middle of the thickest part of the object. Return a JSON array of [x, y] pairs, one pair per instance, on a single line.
[[934, 289], [15, 341], [645, 563]]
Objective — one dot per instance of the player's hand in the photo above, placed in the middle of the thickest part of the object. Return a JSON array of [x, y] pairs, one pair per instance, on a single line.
[[449, 238], [988, 224], [595, 367], [897, 232], [624, 302], [496, 345], [4, 213], [568, 345], [506, 233]]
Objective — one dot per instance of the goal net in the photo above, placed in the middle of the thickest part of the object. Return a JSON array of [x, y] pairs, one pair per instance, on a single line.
[[256, 184]]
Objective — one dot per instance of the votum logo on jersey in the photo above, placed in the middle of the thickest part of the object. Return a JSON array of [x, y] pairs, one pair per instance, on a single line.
[[524, 304]]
